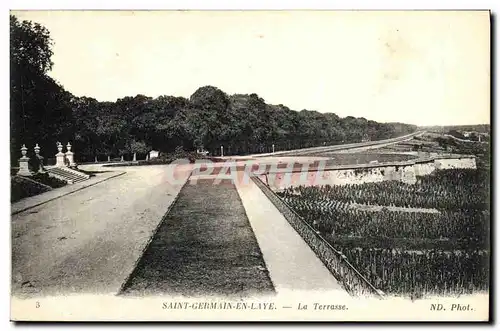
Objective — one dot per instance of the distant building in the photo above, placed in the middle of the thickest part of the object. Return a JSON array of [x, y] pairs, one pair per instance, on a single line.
[[201, 151], [153, 154], [483, 137]]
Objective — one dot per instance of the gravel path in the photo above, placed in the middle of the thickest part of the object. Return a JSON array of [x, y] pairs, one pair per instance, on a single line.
[[90, 240], [36, 200], [205, 246]]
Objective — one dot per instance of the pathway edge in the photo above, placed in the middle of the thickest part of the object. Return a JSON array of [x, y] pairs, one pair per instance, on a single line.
[[14, 212]]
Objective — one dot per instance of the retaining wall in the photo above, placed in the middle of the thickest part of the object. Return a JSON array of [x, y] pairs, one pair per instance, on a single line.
[[405, 171], [455, 163]]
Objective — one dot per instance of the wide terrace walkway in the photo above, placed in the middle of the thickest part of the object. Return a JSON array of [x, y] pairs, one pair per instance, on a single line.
[[136, 234]]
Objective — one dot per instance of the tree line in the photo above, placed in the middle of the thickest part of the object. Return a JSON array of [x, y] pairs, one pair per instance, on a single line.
[[43, 112]]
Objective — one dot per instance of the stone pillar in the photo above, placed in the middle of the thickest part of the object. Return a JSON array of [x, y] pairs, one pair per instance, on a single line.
[[135, 157], [222, 151], [41, 169], [60, 156], [70, 156], [24, 169], [109, 158], [122, 159], [96, 159], [273, 148]]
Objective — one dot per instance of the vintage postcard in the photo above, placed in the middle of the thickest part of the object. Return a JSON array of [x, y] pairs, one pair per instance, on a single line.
[[250, 165]]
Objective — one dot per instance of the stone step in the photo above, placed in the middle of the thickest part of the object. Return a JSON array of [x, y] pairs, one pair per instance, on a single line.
[[59, 171], [71, 176], [75, 172]]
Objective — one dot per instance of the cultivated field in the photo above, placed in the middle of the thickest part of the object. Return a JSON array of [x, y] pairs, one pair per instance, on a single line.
[[406, 251]]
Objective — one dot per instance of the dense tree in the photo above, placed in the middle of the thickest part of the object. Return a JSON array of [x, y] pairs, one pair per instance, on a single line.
[[30, 46], [40, 110]]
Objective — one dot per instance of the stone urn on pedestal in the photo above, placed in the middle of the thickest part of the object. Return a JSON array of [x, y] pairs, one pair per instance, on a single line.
[[41, 169], [70, 156], [24, 169], [60, 156]]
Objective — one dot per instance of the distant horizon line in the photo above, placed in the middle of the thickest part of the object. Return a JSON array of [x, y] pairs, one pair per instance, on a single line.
[[443, 125]]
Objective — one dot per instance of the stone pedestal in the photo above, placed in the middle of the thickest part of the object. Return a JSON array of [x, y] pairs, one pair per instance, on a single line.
[[121, 159], [41, 169], [135, 157], [60, 156], [70, 155], [109, 158], [24, 169]]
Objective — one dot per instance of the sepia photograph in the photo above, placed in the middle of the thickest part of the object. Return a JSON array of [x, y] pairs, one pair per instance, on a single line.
[[288, 165]]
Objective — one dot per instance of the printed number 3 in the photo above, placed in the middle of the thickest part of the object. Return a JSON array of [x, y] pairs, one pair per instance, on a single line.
[[37, 304]]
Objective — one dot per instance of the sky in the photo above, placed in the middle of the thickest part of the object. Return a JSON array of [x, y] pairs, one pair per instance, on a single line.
[[423, 68]]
